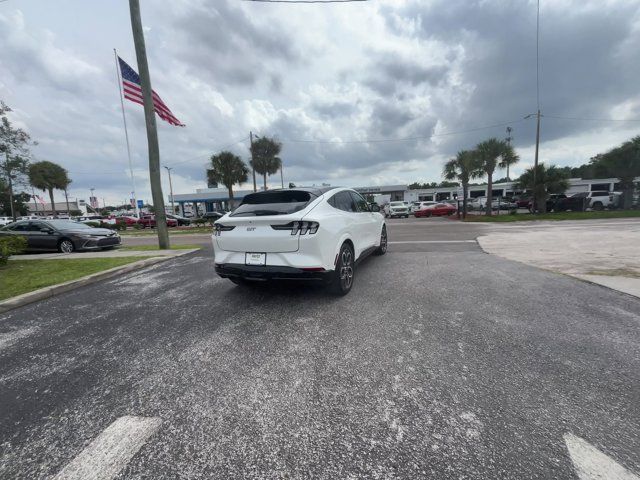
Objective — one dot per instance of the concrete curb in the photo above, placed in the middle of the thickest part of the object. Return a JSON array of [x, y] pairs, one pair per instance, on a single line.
[[53, 290]]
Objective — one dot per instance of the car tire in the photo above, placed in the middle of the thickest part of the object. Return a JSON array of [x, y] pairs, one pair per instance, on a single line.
[[598, 206], [382, 249], [344, 273], [66, 246]]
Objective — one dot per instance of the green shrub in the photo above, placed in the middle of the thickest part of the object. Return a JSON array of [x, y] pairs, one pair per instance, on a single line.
[[92, 224], [11, 245], [137, 226], [200, 221], [513, 212]]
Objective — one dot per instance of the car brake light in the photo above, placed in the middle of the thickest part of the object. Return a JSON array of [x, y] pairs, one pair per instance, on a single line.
[[298, 227], [218, 228]]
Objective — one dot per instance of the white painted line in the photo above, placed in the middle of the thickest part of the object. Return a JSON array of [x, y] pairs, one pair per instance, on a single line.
[[433, 241], [111, 450], [591, 464]]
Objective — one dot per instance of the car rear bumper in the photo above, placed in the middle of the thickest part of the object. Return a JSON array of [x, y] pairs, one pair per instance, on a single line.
[[268, 272]]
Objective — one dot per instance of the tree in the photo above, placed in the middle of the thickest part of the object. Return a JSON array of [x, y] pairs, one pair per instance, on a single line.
[[48, 176], [548, 180], [463, 168], [264, 154], [14, 153], [227, 169], [623, 163], [20, 201], [493, 153]]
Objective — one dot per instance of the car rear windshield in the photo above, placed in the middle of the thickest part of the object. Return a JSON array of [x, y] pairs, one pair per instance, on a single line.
[[273, 203], [397, 204]]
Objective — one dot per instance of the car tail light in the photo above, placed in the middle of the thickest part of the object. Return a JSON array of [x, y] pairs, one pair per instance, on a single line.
[[218, 228], [298, 227]]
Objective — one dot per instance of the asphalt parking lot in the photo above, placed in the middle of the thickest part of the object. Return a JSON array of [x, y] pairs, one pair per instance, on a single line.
[[443, 362]]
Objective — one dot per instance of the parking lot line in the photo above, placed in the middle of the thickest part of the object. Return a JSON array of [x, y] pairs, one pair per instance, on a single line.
[[111, 450], [432, 241], [591, 464]]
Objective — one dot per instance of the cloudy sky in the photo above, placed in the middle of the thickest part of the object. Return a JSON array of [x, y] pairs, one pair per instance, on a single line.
[[377, 92]]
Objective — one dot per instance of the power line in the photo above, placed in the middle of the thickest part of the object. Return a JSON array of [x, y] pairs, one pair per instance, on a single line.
[[243, 139], [594, 119], [305, 1], [404, 139]]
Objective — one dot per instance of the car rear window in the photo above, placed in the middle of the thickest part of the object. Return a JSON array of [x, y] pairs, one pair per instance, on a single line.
[[273, 203]]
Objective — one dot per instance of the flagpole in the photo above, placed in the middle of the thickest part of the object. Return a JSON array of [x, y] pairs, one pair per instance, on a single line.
[[126, 134], [35, 202]]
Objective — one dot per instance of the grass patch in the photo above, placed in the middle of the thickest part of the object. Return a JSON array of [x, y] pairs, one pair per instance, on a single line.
[[616, 272], [22, 276], [145, 248], [523, 217]]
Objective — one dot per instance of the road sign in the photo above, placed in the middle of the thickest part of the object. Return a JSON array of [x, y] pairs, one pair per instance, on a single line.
[[140, 203]]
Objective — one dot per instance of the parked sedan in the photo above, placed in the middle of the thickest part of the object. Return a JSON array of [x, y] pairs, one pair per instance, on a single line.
[[437, 210], [5, 221], [149, 221], [65, 236], [181, 220]]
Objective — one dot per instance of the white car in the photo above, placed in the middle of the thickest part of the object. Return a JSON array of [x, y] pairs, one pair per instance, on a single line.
[[298, 234], [396, 209], [415, 206], [5, 221]]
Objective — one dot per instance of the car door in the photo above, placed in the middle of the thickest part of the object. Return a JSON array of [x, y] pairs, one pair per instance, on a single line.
[[356, 224], [41, 236], [370, 220]]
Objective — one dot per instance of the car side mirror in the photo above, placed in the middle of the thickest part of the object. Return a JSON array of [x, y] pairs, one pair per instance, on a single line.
[[46, 230], [375, 208]]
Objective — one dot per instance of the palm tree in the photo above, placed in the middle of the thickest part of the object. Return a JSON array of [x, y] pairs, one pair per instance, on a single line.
[[547, 180], [491, 154], [462, 168], [264, 152], [227, 169], [509, 159], [48, 176]]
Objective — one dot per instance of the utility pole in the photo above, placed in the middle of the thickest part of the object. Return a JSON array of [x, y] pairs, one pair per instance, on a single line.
[[91, 200], [253, 168], [536, 195], [508, 139], [150, 118], [173, 208], [281, 177]]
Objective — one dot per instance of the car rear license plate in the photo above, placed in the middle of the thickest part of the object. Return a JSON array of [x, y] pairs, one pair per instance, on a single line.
[[255, 258]]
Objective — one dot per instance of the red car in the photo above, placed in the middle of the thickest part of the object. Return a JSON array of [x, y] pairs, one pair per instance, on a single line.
[[437, 210], [127, 220], [150, 221]]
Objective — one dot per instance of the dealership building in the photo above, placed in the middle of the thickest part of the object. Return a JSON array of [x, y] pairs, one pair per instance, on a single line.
[[210, 199]]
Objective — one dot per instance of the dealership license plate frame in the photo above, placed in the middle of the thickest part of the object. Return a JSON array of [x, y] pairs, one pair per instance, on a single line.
[[255, 259]]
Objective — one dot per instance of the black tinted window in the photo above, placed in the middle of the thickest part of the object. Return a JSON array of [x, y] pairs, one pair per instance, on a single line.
[[20, 227], [599, 194], [273, 203], [361, 203], [343, 201], [580, 195]]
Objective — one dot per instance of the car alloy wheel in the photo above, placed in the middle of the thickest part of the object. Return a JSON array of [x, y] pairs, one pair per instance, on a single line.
[[343, 279], [66, 246]]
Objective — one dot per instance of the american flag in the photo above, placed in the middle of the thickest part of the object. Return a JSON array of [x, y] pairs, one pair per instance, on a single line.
[[133, 92]]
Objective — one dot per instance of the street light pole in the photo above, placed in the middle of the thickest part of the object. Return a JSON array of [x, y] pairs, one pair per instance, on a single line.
[[173, 208], [253, 168]]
